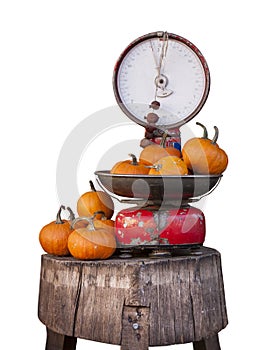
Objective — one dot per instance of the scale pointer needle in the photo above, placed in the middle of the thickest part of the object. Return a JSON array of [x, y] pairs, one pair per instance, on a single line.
[[161, 80]]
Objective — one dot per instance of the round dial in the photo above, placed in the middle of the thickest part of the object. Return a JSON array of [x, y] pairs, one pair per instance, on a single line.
[[162, 73]]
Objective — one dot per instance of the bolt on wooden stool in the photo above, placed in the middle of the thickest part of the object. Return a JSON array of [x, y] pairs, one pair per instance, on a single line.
[[136, 303]]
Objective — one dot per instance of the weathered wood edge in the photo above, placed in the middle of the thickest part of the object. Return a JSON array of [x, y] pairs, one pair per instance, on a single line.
[[57, 313], [200, 252]]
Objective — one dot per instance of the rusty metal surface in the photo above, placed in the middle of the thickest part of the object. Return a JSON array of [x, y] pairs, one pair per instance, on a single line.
[[159, 226], [154, 251]]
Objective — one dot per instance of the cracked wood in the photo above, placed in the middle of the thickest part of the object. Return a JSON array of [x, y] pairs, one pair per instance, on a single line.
[[182, 298]]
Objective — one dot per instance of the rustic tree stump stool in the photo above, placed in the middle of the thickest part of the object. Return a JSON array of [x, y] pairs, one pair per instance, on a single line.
[[136, 303]]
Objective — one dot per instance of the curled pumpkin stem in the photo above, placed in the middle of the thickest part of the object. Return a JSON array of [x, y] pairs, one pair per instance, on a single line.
[[58, 215], [215, 137], [205, 132], [71, 214], [82, 218], [134, 159]]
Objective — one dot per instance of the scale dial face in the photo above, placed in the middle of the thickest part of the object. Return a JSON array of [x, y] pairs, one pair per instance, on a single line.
[[161, 73]]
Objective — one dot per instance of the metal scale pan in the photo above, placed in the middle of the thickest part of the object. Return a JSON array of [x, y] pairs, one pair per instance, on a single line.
[[158, 188]]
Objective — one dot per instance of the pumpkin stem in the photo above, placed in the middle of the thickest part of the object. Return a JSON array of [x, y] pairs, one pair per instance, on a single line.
[[58, 215], [163, 140], [90, 227], [157, 167], [71, 214], [101, 213], [134, 159], [215, 137], [92, 186], [205, 132]]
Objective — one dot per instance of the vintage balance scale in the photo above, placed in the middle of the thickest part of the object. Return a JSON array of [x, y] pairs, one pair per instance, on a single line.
[[151, 299], [166, 76]]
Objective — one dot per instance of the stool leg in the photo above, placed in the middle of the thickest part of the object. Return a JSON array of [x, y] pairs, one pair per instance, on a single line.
[[211, 343], [56, 341]]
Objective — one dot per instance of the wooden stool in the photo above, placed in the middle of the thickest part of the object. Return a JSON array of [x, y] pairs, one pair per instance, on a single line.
[[135, 303]]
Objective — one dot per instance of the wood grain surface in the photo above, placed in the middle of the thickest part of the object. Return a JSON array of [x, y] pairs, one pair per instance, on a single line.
[[143, 301]]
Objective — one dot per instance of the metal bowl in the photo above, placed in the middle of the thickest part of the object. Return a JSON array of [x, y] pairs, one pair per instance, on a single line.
[[158, 188]]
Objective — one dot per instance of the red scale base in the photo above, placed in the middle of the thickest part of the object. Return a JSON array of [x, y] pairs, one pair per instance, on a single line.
[[153, 226]]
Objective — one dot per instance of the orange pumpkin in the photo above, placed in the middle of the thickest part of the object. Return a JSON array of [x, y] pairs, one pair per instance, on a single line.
[[132, 167], [93, 201], [90, 243], [169, 165], [53, 237], [152, 153], [204, 156]]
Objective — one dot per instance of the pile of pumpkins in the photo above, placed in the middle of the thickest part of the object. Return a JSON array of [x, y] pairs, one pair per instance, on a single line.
[[199, 155], [92, 234], [87, 237]]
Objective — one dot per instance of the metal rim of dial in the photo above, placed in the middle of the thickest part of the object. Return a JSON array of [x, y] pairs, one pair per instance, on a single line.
[[162, 79]]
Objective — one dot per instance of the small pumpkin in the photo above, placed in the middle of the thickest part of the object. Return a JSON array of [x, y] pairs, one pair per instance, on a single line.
[[89, 243], [132, 167], [93, 201], [204, 156], [152, 153], [169, 165], [53, 237]]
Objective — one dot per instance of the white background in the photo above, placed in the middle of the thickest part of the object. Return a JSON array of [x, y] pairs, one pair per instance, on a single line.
[[57, 60]]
